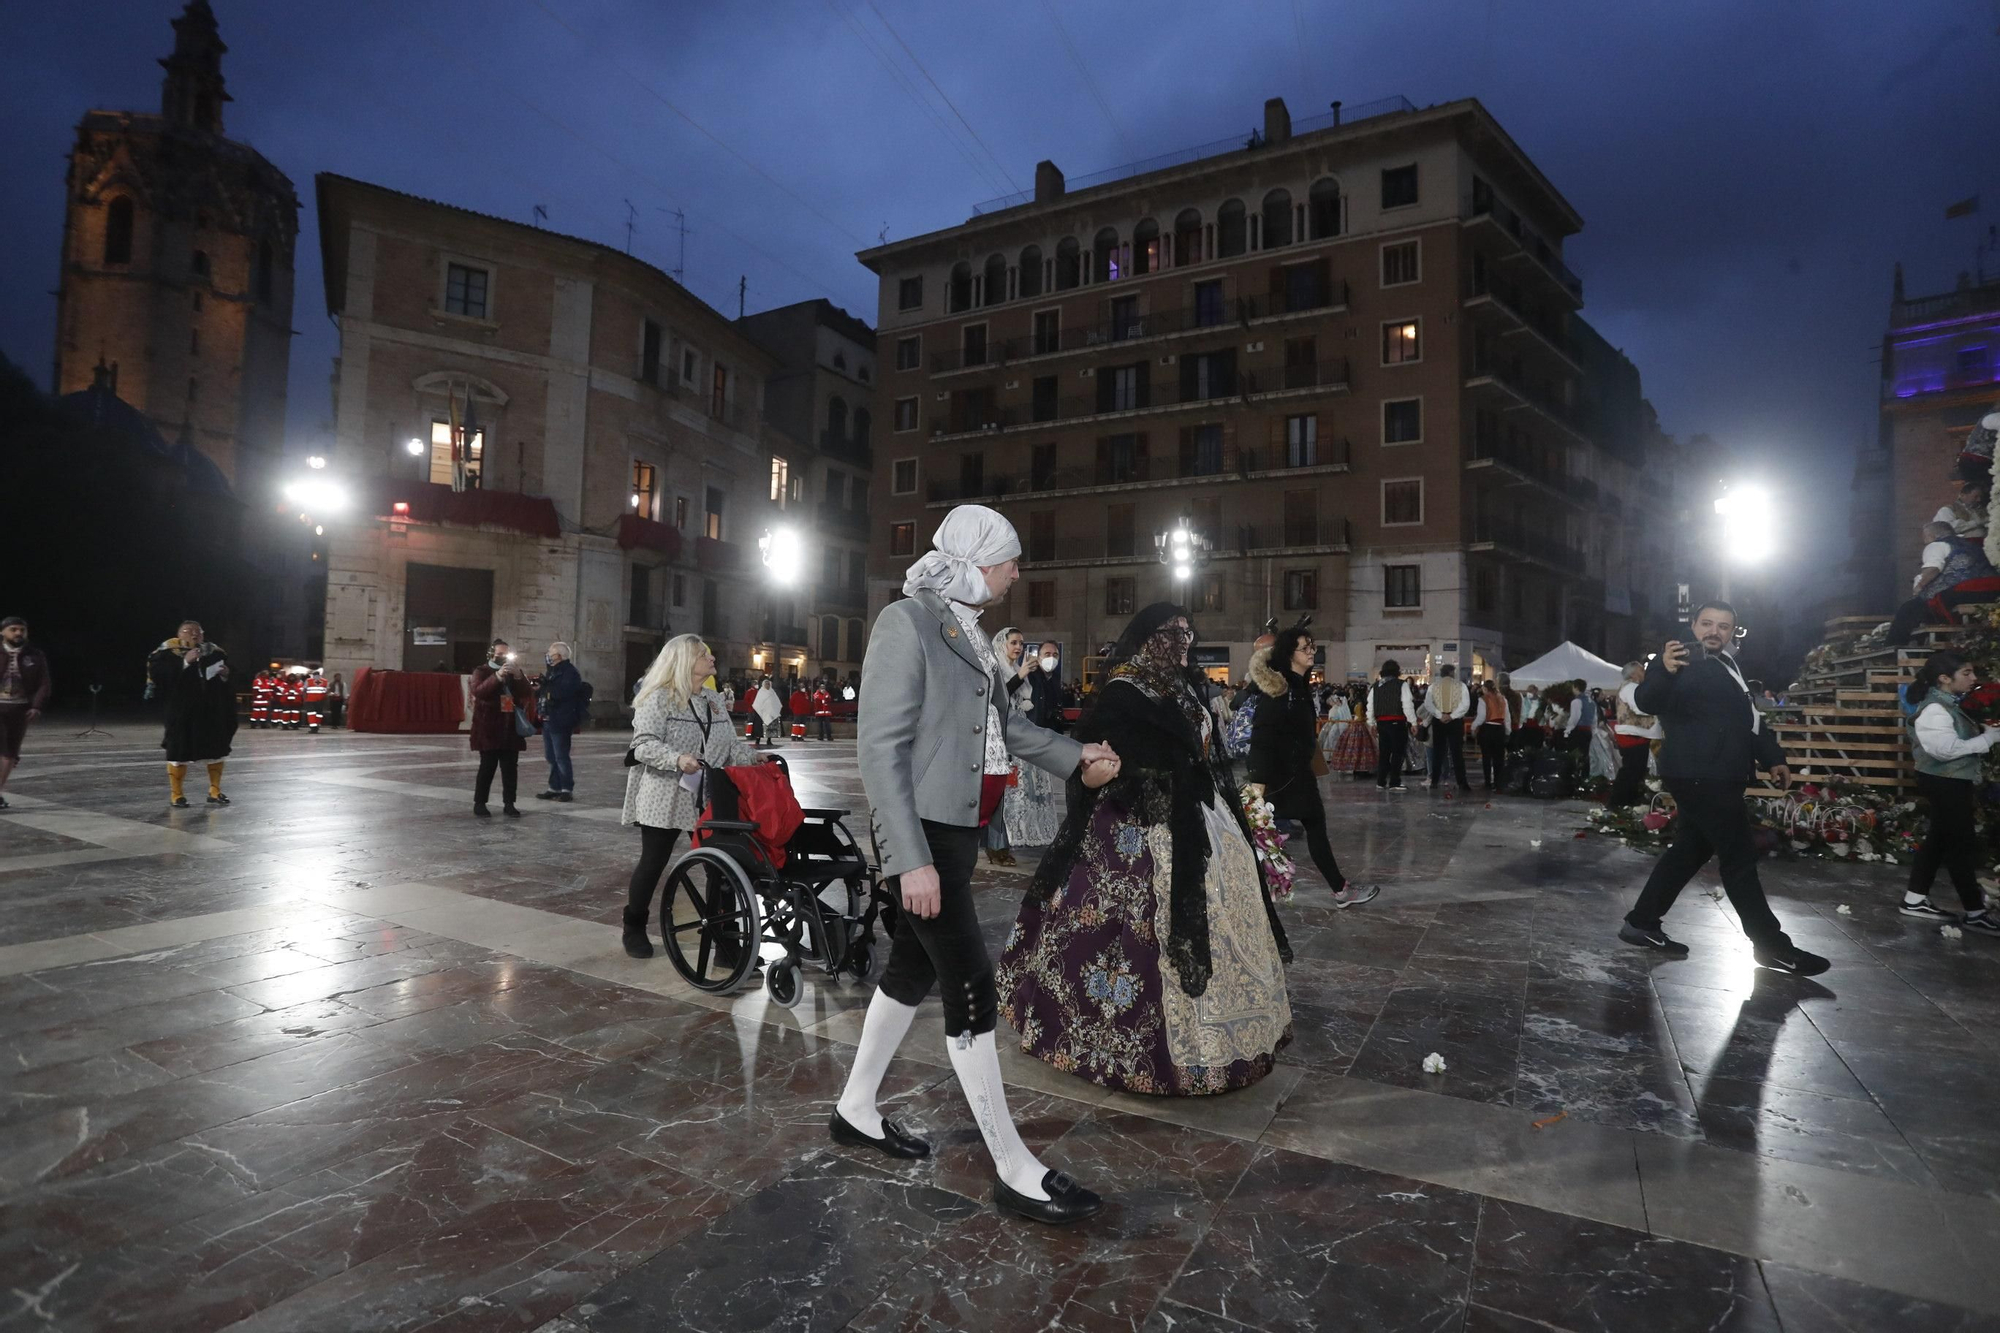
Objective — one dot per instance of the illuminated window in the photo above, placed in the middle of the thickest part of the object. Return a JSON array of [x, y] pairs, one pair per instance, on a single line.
[[712, 520], [441, 455], [465, 291], [781, 474], [645, 491], [1401, 343], [902, 539]]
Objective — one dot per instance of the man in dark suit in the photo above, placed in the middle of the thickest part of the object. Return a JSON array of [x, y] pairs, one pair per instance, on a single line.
[[1715, 740]]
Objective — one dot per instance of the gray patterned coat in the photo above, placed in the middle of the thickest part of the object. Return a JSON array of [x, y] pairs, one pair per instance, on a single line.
[[661, 734]]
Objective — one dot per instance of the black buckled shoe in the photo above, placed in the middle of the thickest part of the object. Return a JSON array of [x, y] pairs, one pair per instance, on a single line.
[[1067, 1201], [895, 1141]]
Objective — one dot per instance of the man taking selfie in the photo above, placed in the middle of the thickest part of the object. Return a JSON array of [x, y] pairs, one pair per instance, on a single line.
[[1715, 740]]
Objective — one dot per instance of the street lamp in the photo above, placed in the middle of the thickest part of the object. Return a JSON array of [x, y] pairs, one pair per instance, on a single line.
[[1181, 550], [1748, 526], [783, 554], [415, 447]]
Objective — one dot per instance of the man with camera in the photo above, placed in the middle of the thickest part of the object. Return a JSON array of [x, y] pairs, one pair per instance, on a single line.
[[1715, 739]]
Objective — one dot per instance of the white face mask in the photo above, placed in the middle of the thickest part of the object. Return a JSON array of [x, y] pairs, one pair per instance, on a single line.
[[1049, 664]]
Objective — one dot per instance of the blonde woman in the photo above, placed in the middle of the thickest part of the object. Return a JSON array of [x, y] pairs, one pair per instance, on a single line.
[[677, 726]]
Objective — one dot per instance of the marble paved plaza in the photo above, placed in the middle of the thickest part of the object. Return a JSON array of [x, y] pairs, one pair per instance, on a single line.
[[340, 1057]]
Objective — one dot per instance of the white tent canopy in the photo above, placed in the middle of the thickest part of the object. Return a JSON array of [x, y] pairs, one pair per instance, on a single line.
[[1566, 661]]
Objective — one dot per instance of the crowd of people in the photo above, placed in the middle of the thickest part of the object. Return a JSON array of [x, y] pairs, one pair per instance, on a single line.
[[1148, 954]]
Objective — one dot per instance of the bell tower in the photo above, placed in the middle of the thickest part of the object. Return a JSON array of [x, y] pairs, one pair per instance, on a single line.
[[177, 266], [192, 95]]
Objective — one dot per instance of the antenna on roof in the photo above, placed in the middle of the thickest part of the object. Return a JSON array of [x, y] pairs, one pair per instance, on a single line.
[[882, 236], [631, 224], [540, 215]]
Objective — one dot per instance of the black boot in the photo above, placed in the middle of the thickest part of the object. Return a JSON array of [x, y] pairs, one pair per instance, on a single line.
[[637, 944]]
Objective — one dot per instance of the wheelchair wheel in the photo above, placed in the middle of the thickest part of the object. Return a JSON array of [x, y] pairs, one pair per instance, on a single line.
[[782, 981], [711, 921], [860, 960]]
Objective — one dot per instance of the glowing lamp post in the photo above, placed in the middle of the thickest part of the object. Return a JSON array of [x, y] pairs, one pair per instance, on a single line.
[[783, 554], [1748, 527], [1182, 550]]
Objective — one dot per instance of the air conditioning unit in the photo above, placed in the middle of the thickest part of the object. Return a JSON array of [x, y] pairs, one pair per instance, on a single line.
[[1013, 384], [1254, 347]]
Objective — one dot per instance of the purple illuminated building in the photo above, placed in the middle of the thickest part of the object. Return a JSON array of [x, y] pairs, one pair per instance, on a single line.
[[1940, 374]]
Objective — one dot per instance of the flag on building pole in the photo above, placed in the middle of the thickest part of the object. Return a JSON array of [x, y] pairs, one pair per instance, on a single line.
[[466, 476], [1963, 208]]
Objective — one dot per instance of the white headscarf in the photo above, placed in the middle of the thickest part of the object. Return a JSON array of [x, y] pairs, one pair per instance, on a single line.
[[971, 536]]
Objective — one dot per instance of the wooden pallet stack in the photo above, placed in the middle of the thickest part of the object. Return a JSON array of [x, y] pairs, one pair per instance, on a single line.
[[1843, 720]]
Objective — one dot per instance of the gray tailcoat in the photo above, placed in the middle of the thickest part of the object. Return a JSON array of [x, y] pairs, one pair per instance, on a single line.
[[922, 728]]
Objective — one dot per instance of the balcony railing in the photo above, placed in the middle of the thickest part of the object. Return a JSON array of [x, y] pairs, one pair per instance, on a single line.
[[720, 557], [1238, 539], [970, 415], [836, 445], [1230, 464], [1509, 375], [1550, 550], [1110, 332], [785, 634], [1508, 299], [841, 517], [1485, 204]]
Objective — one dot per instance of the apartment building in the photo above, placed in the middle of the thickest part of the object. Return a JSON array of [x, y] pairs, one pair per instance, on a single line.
[[1340, 352], [619, 471], [820, 403]]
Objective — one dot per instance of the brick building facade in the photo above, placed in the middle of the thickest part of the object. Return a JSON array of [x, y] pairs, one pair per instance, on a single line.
[[1345, 354], [620, 470]]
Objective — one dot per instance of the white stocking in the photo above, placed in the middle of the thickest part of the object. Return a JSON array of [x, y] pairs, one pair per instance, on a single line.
[[881, 1033], [976, 1060]]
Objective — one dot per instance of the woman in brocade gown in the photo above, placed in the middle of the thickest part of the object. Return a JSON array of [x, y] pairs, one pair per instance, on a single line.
[[1147, 956], [1354, 751]]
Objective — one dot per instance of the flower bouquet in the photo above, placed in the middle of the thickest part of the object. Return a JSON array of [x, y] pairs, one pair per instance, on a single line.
[[1268, 843], [1981, 703]]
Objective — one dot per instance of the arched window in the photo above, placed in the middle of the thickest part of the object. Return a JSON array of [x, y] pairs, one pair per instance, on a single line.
[[829, 637], [1277, 219], [1229, 229], [263, 270], [1104, 258], [118, 231], [1069, 263], [861, 423], [198, 262], [1323, 209], [1031, 270], [1187, 237], [854, 653], [958, 295], [996, 280], [1146, 247], [836, 419]]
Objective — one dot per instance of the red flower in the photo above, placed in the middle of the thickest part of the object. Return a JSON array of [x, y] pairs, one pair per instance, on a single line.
[[1982, 703]]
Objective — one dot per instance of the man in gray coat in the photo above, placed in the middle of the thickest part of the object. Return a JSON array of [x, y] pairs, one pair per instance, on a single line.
[[935, 752]]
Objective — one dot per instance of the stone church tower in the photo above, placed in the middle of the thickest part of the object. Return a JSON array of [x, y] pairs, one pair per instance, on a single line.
[[177, 267]]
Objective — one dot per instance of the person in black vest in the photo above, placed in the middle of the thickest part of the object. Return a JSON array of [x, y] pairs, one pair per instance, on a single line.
[[1715, 739], [1391, 712]]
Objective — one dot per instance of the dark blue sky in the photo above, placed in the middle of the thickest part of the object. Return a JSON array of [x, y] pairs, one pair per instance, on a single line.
[[1747, 173]]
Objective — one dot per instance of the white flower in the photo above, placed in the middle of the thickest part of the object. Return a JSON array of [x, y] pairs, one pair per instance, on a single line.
[[1434, 1063], [1950, 932], [1844, 910], [1534, 842]]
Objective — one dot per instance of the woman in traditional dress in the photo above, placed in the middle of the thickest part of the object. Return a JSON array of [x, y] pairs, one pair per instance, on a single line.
[[1147, 956], [1354, 749], [1029, 810]]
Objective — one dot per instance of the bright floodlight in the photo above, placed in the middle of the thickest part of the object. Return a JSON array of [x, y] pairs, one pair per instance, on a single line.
[[317, 493], [416, 447], [783, 554], [1182, 571], [1749, 524], [315, 462]]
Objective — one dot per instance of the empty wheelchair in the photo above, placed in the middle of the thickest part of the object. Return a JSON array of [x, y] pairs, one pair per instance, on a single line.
[[730, 906]]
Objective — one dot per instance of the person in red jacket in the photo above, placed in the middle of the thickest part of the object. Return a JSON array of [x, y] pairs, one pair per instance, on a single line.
[[799, 705], [500, 693], [314, 689], [822, 702], [261, 687], [286, 701]]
